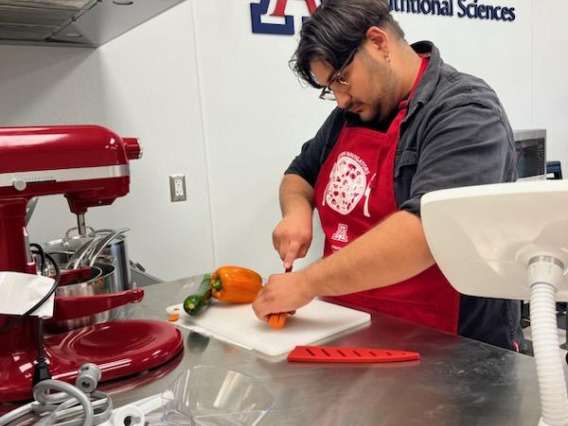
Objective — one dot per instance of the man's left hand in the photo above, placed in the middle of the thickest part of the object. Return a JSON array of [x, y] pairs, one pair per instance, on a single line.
[[283, 293]]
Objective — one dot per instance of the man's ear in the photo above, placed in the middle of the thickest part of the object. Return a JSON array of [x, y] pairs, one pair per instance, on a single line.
[[378, 38]]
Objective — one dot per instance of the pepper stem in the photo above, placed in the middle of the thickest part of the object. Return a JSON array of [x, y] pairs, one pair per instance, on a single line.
[[217, 285]]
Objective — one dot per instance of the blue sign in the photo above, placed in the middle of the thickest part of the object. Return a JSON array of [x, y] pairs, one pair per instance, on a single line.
[[469, 9]]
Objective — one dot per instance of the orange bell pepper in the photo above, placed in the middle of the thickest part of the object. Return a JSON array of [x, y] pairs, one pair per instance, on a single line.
[[235, 284]]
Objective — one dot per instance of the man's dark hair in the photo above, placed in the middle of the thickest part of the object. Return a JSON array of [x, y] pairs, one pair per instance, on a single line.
[[335, 29]]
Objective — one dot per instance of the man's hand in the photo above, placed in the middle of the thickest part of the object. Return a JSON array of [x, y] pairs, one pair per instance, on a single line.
[[393, 251], [282, 293], [292, 237]]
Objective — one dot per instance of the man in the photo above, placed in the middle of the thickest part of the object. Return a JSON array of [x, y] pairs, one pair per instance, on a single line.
[[405, 124]]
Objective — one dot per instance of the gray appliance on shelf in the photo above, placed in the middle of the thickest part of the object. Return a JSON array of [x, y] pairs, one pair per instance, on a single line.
[[530, 149], [82, 23]]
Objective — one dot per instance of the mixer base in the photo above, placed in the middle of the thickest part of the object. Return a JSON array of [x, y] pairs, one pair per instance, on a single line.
[[120, 349]]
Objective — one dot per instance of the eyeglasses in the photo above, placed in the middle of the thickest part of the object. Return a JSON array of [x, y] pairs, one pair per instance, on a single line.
[[341, 85]]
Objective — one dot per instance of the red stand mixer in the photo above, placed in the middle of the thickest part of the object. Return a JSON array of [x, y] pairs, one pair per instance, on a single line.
[[89, 165]]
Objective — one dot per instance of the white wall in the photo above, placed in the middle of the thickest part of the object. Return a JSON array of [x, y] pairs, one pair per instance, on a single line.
[[256, 118], [497, 52], [142, 84], [550, 83], [213, 101]]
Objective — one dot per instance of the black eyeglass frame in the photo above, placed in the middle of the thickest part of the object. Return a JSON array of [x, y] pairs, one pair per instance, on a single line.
[[327, 91]]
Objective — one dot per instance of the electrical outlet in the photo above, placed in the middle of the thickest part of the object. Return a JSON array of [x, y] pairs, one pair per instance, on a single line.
[[177, 188]]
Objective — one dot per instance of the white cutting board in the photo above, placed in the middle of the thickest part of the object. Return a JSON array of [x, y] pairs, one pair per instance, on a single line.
[[238, 324]]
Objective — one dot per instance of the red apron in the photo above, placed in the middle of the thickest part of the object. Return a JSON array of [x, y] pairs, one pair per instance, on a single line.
[[353, 193]]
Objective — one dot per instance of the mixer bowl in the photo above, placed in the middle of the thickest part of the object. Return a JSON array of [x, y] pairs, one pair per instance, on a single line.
[[114, 253], [102, 280]]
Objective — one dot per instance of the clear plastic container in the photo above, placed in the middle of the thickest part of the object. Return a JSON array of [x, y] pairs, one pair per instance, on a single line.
[[213, 396]]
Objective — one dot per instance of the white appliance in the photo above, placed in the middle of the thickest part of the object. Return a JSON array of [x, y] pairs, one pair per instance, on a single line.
[[510, 241]]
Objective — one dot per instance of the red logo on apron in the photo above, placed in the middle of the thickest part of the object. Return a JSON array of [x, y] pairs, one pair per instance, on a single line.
[[347, 183]]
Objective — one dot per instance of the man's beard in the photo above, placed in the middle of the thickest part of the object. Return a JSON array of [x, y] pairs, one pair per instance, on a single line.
[[379, 73], [377, 113]]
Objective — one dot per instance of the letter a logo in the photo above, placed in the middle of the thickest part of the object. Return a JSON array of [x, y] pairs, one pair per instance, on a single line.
[[280, 8], [262, 11], [341, 233]]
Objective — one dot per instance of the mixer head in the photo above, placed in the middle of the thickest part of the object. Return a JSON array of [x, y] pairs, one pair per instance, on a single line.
[[89, 164]]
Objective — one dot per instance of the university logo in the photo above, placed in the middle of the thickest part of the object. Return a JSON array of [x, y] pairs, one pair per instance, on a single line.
[[280, 16], [341, 233], [269, 16]]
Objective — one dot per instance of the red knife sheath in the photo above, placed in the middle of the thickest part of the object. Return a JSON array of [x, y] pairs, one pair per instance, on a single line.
[[346, 354]]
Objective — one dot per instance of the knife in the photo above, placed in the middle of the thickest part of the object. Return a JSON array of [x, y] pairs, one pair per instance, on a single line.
[[277, 321]]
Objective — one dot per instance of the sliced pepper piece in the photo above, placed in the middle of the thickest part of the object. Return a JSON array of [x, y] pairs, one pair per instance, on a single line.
[[174, 316]]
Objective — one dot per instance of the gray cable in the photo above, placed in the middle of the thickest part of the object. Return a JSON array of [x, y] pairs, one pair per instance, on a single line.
[[42, 395], [15, 414], [102, 412], [63, 404]]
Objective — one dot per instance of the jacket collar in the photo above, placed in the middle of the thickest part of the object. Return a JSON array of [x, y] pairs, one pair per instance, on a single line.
[[429, 81]]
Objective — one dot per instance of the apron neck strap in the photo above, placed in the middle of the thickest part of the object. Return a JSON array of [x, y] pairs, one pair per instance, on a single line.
[[423, 65]]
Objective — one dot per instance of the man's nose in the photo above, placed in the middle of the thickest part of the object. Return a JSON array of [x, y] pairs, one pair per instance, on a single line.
[[342, 99]]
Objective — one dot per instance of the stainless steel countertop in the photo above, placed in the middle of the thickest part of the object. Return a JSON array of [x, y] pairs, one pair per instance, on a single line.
[[457, 381]]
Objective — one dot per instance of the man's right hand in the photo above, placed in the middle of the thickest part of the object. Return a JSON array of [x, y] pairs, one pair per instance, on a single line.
[[292, 237]]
